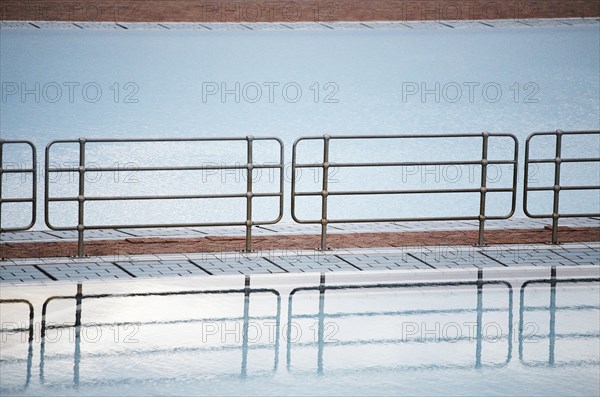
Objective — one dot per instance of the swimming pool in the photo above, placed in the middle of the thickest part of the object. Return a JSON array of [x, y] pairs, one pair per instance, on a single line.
[[455, 332], [182, 83]]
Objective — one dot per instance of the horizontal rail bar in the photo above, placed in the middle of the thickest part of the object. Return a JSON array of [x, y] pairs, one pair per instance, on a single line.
[[383, 192], [553, 133], [177, 293], [180, 168], [562, 160], [407, 136], [165, 322], [161, 226], [548, 188], [403, 164], [560, 280], [173, 197], [406, 219], [204, 139], [149, 226], [17, 200], [13, 141], [577, 215]]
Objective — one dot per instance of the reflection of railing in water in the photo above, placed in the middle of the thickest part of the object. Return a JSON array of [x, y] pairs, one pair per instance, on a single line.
[[79, 297], [29, 330], [552, 281], [552, 308], [31, 314], [82, 198], [32, 171], [557, 187], [479, 283]]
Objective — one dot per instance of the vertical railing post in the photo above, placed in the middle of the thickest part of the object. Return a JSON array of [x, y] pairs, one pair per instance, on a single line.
[[81, 198], [483, 187], [324, 192], [556, 188], [249, 194], [34, 167], [47, 185]]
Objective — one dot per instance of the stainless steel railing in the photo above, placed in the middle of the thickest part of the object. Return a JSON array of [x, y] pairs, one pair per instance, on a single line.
[[557, 187], [326, 165], [82, 198], [18, 170]]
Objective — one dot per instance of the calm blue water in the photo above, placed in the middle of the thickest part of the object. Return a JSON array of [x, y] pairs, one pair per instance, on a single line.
[[386, 341], [290, 84]]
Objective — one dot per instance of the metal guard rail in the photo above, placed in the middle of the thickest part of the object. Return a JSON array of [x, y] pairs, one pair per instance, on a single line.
[[81, 199], [32, 171], [482, 190], [557, 187]]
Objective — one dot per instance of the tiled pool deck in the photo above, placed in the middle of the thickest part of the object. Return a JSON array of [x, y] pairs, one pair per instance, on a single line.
[[369, 25], [107, 268]]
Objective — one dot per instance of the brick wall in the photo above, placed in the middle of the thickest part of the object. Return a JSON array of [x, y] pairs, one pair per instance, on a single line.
[[292, 10]]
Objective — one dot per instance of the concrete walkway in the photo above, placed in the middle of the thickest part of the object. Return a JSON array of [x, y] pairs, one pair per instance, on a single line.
[[107, 268], [294, 260]]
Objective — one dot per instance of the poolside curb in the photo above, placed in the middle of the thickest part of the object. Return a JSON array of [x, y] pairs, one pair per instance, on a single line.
[[165, 245]]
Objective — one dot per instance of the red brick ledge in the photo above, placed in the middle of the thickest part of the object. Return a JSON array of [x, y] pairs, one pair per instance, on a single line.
[[292, 10], [134, 246]]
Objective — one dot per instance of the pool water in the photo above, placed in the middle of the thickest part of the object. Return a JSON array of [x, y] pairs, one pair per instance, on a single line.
[[385, 333]]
